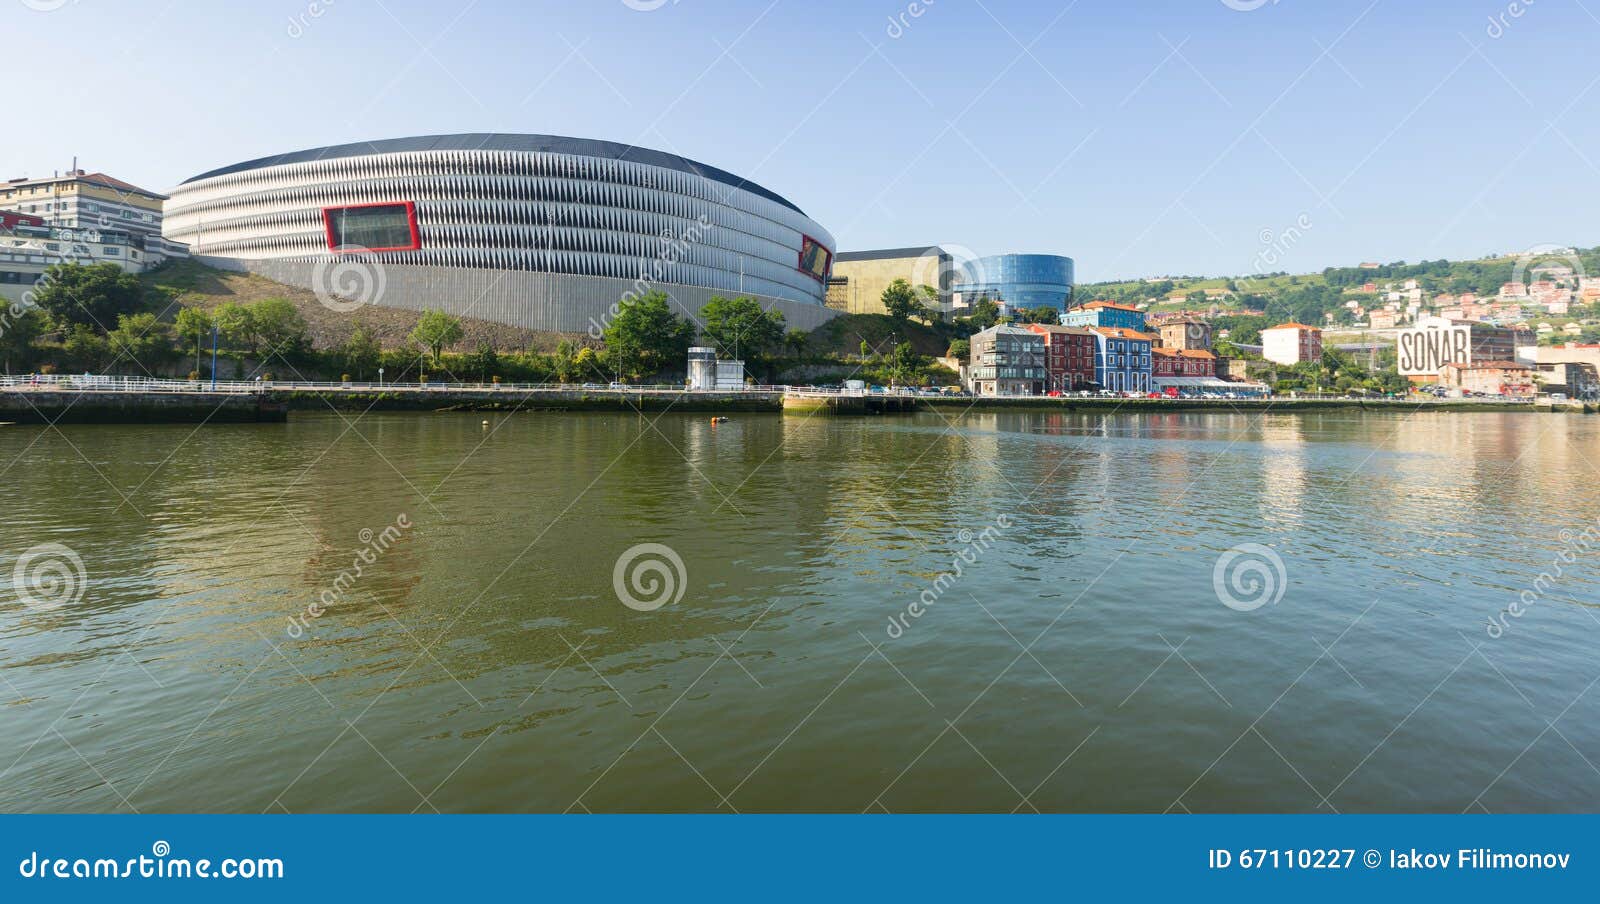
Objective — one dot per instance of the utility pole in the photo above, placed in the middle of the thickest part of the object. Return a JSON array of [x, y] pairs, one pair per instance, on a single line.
[[214, 332]]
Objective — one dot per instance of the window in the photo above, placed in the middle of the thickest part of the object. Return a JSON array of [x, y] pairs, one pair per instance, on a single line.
[[372, 227], [815, 260]]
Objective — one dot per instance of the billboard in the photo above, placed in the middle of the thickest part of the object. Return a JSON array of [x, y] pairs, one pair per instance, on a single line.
[[1425, 351], [815, 260]]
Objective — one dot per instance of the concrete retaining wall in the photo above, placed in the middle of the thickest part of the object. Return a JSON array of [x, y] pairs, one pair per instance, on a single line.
[[68, 407], [549, 302]]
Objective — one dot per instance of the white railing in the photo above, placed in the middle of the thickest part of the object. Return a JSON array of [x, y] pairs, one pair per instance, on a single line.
[[110, 383], [114, 383]]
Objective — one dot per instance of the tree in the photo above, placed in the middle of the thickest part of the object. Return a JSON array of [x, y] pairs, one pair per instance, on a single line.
[[985, 314], [194, 324], [586, 362], [361, 354], [646, 336], [564, 361], [740, 325], [86, 348], [796, 341], [237, 324], [904, 363], [19, 327], [142, 339], [902, 302], [435, 330], [92, 296], [279, 328], [483, 362], [1045, 314], [959, 348]]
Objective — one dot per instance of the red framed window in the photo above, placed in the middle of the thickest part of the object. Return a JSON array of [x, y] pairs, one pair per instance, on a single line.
[[815, 260], [386, 226]]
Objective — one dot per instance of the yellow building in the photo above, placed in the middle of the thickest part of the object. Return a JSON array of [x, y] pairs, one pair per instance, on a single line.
[[82, 200], [859, 277]]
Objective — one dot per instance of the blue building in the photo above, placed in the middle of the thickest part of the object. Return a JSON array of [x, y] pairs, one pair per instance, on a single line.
[[1019, 281], [1122, 359], [1106, 314]]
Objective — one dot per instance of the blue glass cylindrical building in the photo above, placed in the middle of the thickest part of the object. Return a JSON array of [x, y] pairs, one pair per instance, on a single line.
[[1020, 280]]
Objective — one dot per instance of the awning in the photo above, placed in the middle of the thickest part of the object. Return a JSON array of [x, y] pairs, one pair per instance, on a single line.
[[1205, 383]]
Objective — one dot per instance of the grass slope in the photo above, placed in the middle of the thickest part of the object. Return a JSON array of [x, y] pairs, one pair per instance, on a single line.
[[191, 284]]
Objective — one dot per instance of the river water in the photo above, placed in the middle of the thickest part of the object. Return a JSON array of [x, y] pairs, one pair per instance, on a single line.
[[990, 612]]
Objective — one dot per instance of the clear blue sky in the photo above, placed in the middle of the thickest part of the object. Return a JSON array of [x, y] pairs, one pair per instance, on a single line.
[[1141, 137]]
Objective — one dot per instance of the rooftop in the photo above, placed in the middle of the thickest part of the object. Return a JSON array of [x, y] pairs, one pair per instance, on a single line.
[[1057, 328], [889, 254], [492, 141], [1293, 326], [1117, 332], [100, 179]]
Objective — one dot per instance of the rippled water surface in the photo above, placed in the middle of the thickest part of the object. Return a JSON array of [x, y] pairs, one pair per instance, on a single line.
[[1083, 660]]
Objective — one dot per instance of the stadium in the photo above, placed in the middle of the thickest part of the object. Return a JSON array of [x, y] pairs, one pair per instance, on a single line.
[[535, 231]]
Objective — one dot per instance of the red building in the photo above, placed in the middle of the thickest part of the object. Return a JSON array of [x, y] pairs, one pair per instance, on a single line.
[[10, 219], [1172, 362], [1069, 356]]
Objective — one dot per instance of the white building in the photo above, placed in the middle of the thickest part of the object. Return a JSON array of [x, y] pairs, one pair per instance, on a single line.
[[1291, 343]]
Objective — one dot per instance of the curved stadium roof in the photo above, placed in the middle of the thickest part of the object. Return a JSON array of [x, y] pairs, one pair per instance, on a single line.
[[556, 144]]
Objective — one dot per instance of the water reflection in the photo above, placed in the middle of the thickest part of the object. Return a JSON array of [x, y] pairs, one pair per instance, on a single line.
[[489, 665]]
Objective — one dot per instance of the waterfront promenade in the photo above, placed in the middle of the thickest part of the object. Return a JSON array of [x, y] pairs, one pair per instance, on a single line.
[[53, 398]]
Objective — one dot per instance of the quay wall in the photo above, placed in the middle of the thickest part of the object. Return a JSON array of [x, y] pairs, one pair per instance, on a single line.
[[69, 407]]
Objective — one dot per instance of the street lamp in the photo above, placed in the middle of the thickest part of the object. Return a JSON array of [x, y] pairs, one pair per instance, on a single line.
[[380, 378]]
